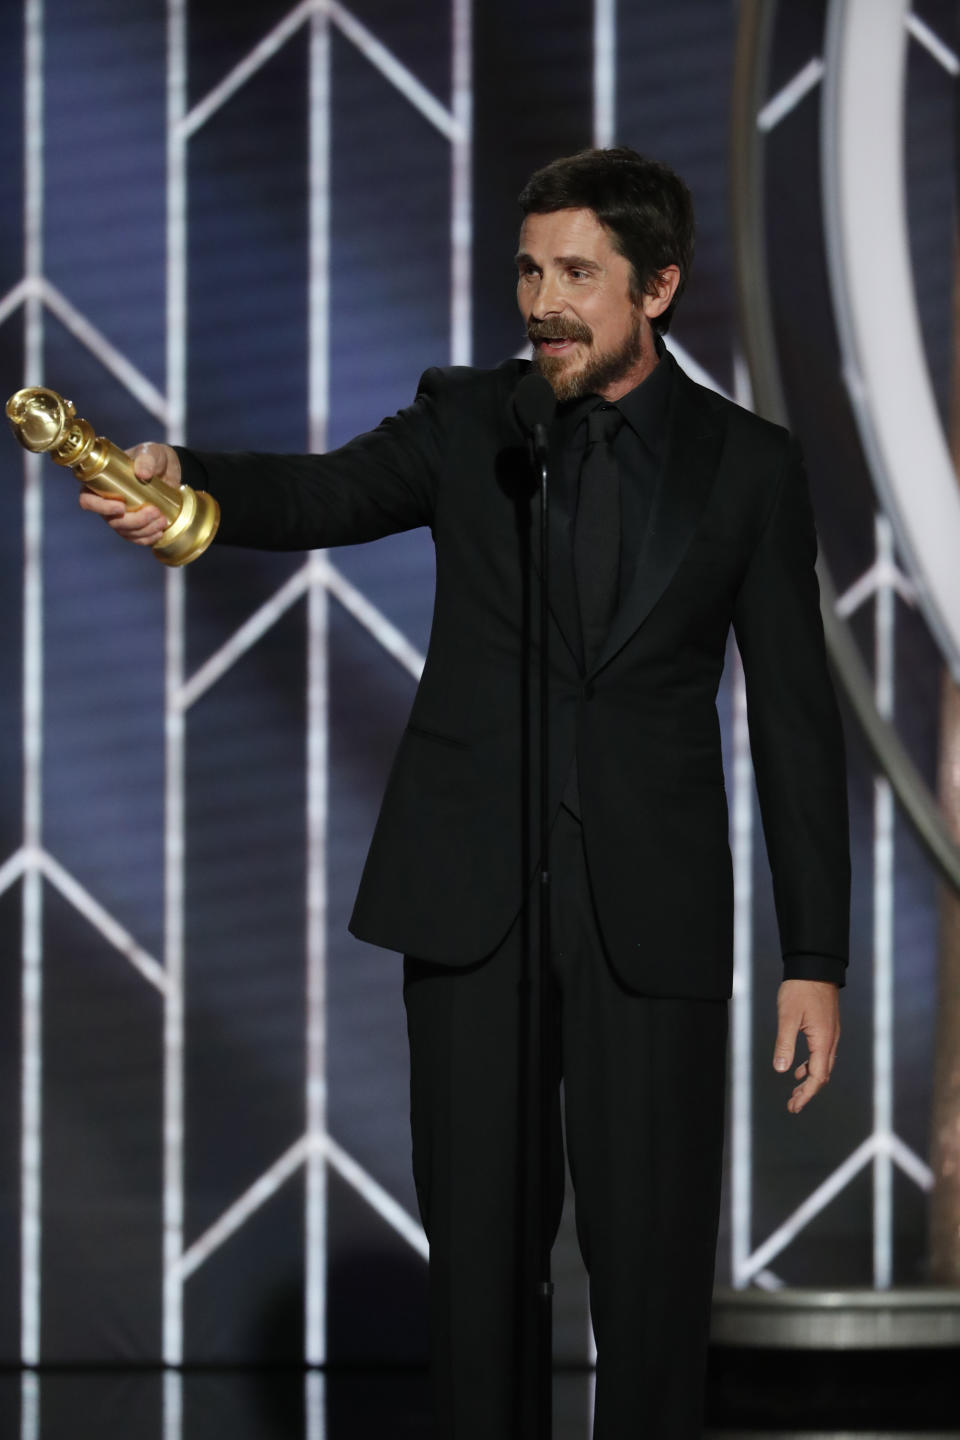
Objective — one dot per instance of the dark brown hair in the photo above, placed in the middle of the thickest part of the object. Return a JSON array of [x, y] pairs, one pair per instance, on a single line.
[[645, 206]]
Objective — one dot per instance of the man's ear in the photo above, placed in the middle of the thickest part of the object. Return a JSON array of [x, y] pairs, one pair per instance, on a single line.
[[663, 287]]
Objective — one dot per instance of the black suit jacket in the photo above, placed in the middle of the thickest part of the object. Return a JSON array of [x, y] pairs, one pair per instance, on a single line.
[[730, 540]]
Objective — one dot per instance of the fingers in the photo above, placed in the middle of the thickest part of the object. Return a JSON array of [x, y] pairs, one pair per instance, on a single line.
[[142, 527], [816, 1075], [145, 524], [103, 505], [786, 1046], [152, 461], [810, 1008]]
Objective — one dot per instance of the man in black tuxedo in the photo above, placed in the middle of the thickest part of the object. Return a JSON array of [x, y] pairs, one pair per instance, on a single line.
[[675, 515]]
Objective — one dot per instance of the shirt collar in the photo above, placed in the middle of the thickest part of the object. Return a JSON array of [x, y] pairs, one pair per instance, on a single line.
[[645, 407]]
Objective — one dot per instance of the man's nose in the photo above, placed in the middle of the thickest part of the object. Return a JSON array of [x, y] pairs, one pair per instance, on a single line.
[[548, 300]]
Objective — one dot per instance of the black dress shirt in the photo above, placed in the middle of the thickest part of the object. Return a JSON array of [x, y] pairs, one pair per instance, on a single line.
[[639, 448]]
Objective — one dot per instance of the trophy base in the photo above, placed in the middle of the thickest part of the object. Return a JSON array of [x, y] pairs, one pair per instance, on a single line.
[[190, 534]]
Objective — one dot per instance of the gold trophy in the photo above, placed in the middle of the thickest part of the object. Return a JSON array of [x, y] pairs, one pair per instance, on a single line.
[[42, 420]]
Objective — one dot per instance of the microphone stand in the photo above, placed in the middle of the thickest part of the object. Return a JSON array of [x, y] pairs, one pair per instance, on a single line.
[[533, 407], [539, 1013]]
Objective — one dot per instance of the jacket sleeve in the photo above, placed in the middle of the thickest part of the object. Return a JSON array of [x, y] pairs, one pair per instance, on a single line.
[[796, 738], [380, 483]]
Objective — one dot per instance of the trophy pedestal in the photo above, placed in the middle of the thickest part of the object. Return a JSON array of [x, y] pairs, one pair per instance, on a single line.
[[190, 533]]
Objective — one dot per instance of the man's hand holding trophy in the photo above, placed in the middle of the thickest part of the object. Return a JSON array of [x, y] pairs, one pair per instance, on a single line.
[[155, 463], [138, 492]]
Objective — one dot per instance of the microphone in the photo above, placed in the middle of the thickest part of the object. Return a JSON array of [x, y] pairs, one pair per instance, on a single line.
[[534, 405]]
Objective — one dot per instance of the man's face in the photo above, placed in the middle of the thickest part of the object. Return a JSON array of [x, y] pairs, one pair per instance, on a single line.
[[590, 336]]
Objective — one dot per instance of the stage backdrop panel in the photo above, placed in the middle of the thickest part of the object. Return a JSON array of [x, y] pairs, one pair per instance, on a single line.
[[253, 227]]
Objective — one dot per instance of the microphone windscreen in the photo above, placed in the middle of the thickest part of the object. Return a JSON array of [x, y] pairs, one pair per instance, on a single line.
[[533, 403]]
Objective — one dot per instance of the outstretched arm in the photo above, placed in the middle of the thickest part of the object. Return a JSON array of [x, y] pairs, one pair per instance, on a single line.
[[380, 483]]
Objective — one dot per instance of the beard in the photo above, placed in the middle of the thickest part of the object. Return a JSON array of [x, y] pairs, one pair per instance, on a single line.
[[600, 371]]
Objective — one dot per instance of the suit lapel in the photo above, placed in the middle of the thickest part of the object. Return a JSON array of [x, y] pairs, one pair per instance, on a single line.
[[693, 451]]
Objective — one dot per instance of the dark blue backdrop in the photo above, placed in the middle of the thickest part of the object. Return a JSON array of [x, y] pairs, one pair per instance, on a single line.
[[104, 188]]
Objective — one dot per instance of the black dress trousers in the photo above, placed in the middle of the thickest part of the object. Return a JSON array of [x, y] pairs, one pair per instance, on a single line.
[[643, 1107]]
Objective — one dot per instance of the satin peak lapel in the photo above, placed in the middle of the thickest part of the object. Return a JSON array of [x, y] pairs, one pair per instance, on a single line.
[[693, 452]]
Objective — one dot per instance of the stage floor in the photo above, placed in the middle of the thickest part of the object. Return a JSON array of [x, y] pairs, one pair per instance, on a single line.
[[753, 1396]]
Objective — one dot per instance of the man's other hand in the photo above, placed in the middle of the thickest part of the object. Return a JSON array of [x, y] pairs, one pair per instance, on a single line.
[[145, 525], [810, 1008]]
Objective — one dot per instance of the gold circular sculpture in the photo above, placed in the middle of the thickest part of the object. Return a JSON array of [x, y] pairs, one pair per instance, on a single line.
[[45, 422]]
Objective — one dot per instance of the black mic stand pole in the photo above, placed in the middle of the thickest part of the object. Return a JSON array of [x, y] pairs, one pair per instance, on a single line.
[[539, 1016], [533, 406]]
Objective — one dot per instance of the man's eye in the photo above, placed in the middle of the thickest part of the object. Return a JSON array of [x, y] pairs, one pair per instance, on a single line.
[[579, 274]]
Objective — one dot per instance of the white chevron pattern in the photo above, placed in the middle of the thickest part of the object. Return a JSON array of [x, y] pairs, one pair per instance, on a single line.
[[319, 580]]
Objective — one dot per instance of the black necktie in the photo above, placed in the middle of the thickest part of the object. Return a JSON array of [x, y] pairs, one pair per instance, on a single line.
[[596, 535]]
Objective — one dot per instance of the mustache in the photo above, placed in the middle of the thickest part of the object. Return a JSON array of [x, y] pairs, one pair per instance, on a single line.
[[558, 330]]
